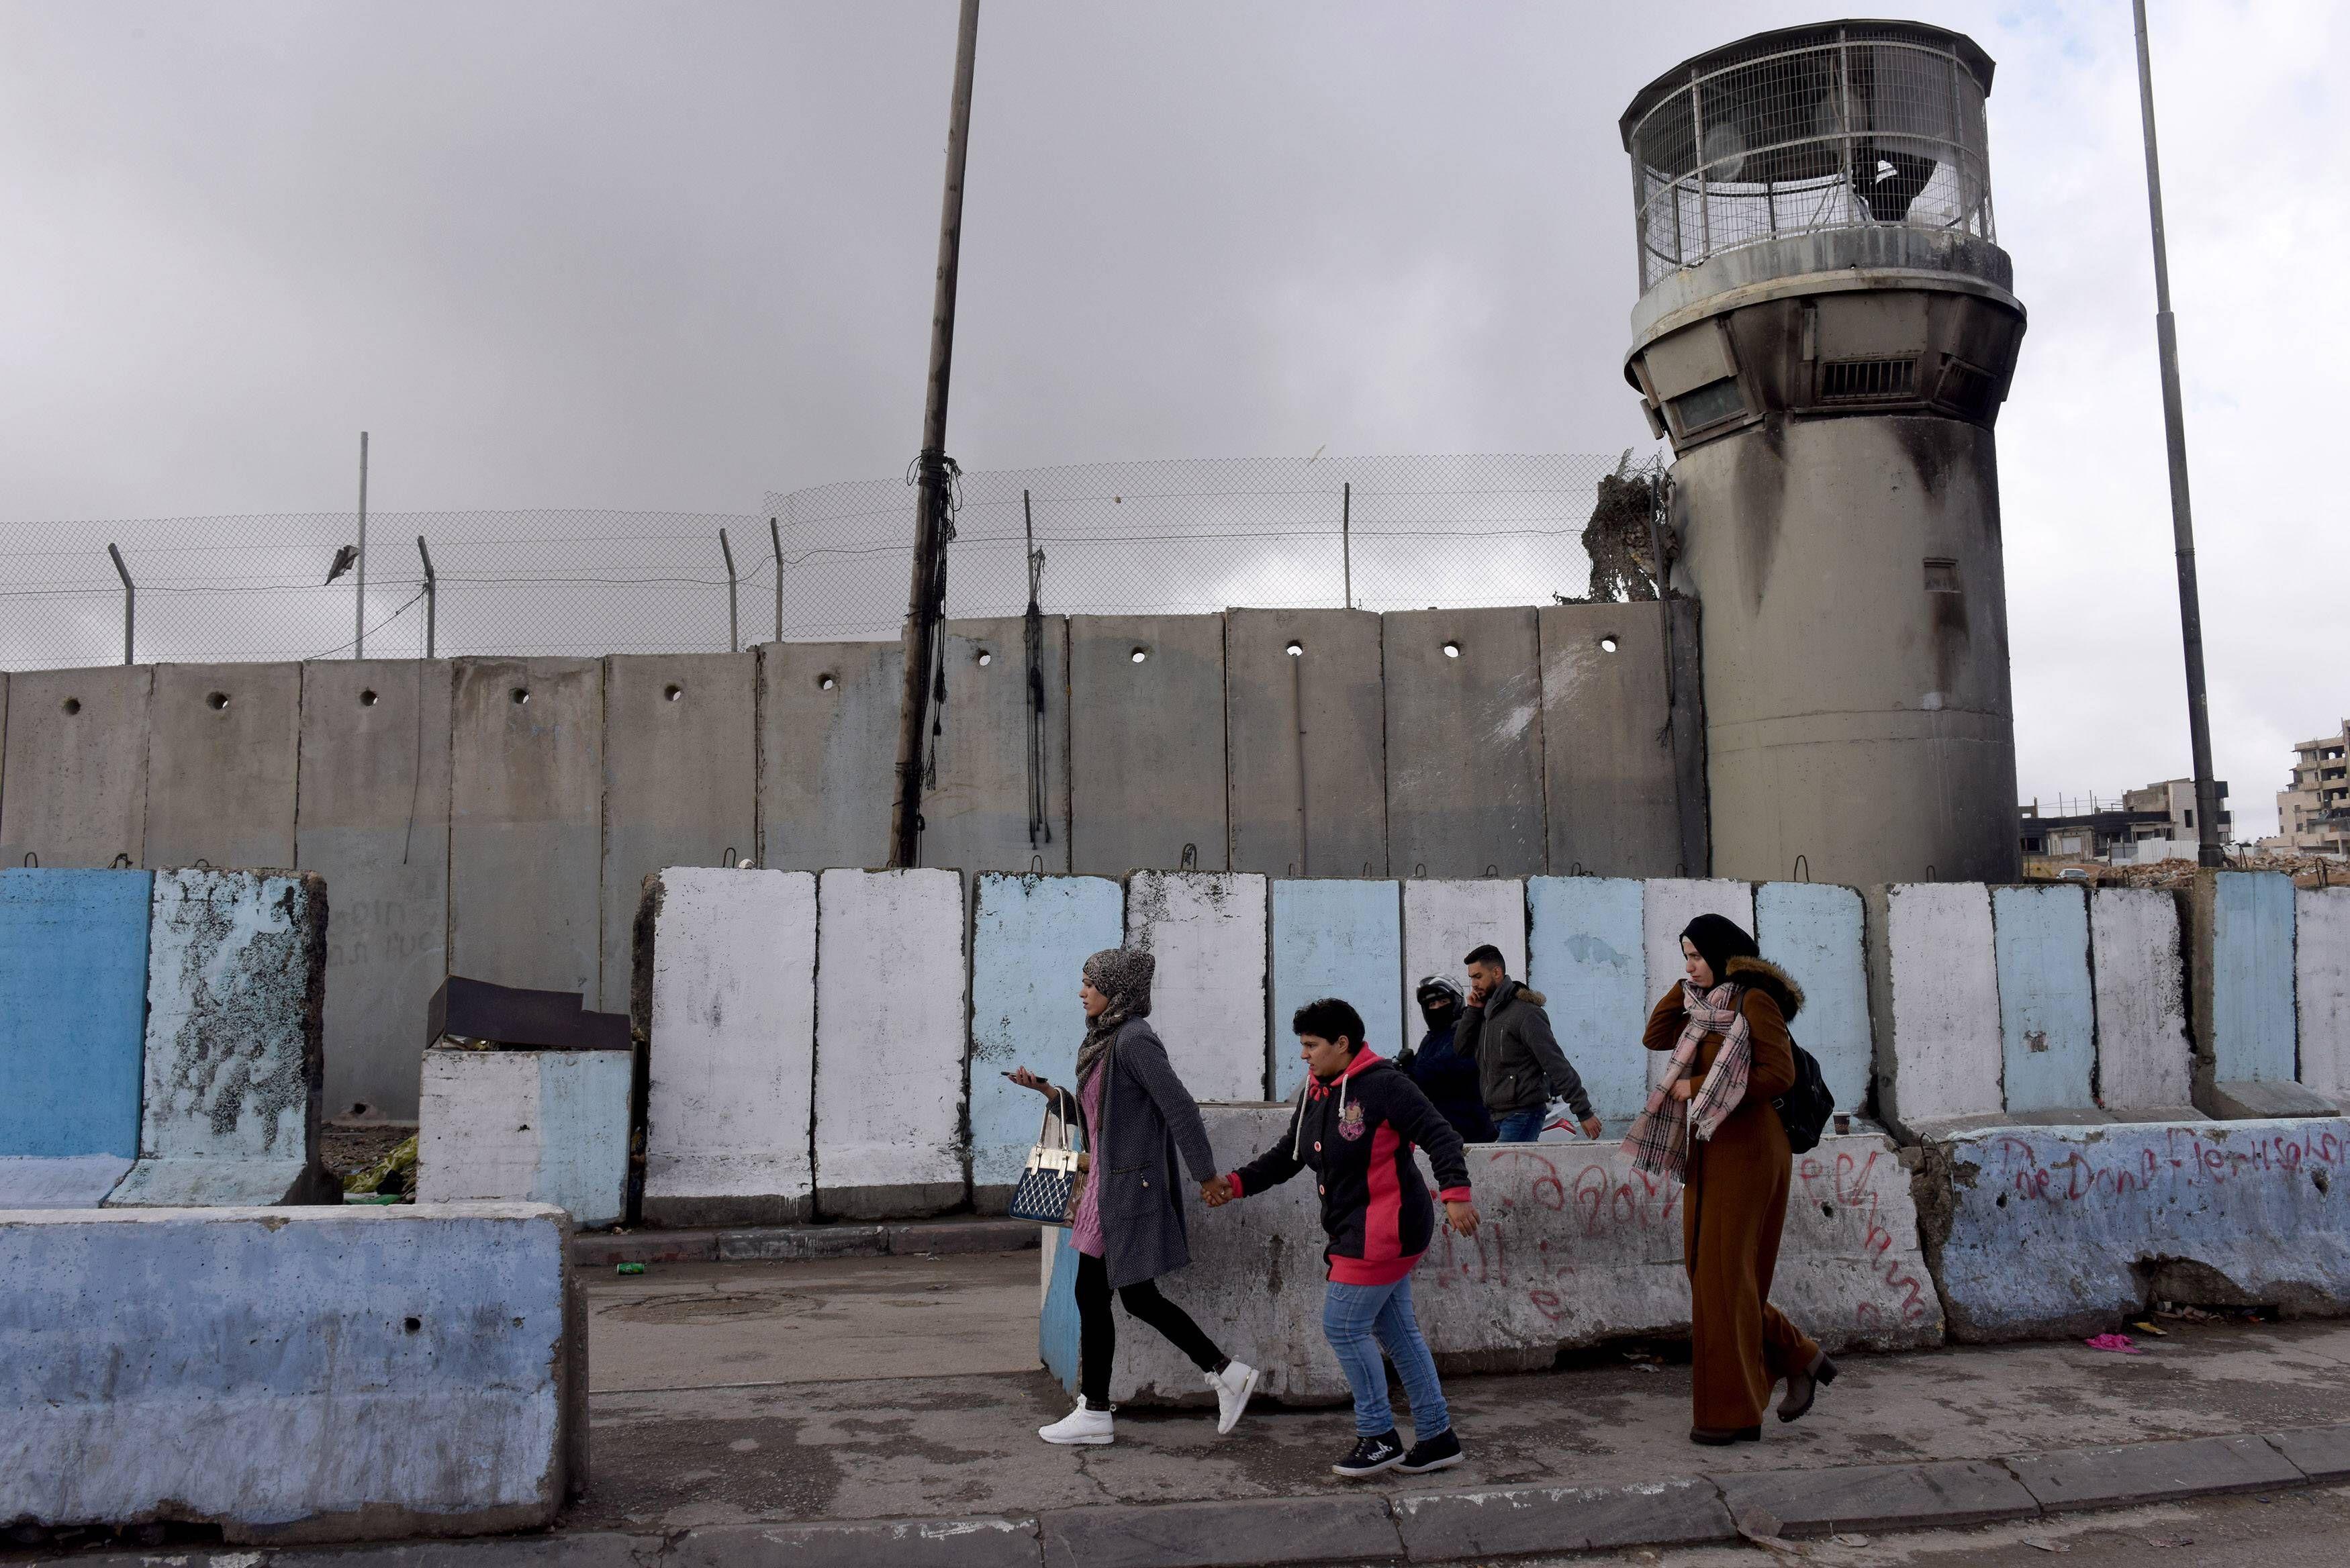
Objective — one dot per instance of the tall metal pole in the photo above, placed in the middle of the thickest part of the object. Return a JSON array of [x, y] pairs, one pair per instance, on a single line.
[[130, 604], [2182, 516], [776, 535], [733, 596], [1346, 538], [922, 608], [358, 639], [432, 596]]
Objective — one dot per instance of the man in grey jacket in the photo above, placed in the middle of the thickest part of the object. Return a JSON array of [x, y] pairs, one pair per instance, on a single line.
[[1520, 1067]]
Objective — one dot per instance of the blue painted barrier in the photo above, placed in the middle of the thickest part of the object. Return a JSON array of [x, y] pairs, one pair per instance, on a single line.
[[2047, 1020], [2252, 1033], [1813, 930], [1583, 953], [73, 1011], [1030, 938], [1343, 938]]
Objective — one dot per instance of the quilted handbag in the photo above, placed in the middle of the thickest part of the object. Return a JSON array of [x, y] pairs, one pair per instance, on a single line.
[[1047, 1192]]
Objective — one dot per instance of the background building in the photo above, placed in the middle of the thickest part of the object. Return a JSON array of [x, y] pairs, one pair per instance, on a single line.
[[2156, 823], [2314, 811]]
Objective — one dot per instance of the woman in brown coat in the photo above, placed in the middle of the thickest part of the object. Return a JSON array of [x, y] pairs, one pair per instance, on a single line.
[[1712, 1125]]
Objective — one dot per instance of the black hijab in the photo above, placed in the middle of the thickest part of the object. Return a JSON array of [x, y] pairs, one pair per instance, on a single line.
[[1718, 941]]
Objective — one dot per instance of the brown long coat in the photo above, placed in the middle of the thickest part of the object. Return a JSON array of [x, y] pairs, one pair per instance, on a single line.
[[1734, 1208]]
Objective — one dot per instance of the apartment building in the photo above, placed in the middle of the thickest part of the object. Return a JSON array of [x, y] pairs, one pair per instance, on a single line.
[[2314, 811]]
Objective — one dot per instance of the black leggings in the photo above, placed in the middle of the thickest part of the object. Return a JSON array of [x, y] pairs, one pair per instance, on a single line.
[[1098, 1331]]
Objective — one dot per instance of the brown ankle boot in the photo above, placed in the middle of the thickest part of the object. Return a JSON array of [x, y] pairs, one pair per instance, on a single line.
[[1803, 1386]]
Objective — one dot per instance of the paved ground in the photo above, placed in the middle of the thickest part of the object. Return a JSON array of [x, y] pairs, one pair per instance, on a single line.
[[881, 1387]]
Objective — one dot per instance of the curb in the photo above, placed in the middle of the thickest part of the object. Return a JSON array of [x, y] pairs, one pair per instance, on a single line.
[[784, 1243], [1373, 1527]]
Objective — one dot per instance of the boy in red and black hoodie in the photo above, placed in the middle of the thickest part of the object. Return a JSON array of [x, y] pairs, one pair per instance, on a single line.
[[1357, 1122]]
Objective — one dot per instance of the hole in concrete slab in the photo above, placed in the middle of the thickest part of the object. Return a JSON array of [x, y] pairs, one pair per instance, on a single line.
[[672, 693], [72, 705], [2322, 1184], [521, 694], [826, 683], [985, 658], [216, 700], [1296, 650], [1606, 645], [412, 1324], [368, 699], [1827, 1210], [1140, 654], [1451, 651], [2000, 1201]]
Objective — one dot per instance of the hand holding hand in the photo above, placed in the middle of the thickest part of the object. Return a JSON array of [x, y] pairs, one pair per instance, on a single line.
[[1462, 1217], [1028, 1080], [1216, 1192], [1591, 1127]]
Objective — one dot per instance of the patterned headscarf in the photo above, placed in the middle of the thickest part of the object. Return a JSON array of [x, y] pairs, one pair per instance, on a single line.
[[1124, 975]]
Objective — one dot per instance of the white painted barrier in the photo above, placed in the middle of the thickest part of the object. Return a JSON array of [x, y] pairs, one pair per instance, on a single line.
[[539, 1127], [891, 1028], [1442, 920], [1207, 930], [1030, 938], [2145, 1056], [731, 1059], [292, 1374], [1340, 938], [1669, 904], [2322, 990], [1934, 997], [237, 977]]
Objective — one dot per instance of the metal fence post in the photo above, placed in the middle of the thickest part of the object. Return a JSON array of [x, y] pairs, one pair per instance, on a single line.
[[130, 602], [733, 614], [776, 533], [1347, 537], [432, 595], [358, 639]]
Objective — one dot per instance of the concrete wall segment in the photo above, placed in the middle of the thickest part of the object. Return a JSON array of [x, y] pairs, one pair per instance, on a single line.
[[73, 1011], [2322, 990], [1817, 933], [827, 752], [223, 745], [1584, 941], [1030, 938], [2144, 1057], [2048, 1010], [1669, 905], [1444, 918], [75, 767], [1336, 936], [1147, 759], [371, 816], [1307, 734], [681, 785], [976, 818], [541, 1127], [1933, 989], [1464, 743], [2240, 928], [1208, 932], [527, 823], [1610, 774]]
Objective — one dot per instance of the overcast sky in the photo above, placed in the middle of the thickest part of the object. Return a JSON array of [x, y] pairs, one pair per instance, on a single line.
[[677, 256]]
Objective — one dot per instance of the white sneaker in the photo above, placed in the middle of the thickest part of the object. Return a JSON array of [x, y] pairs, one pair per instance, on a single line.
[[1234, 1385], [1082, 1425]]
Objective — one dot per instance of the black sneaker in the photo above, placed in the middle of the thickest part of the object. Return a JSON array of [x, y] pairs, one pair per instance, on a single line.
[[1369, 1456], [1440, 1452]]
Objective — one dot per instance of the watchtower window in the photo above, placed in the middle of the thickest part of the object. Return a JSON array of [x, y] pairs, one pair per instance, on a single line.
[[1709, 404], [1869, 380]]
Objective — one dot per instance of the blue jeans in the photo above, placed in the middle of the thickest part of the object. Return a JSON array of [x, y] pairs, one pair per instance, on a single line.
[[1521, 1126], [1360, 1320]]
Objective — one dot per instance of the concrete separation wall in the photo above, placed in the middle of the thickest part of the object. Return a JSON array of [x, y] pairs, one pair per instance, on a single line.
[[2145, 1058], [2047, 1016], [292, 1376], [541, 1127], [1345, 939], [891, 1023], [236, 979], [976, 819], [372, 818], [1584, 942], [727, 1004], [1933, 993], [1309, 745], [1207, 930], [2241, 991], [828, 752], [1578, 1250], [1443, 919], [1813, 932], [75, 766], [223, 740], [1030, 938], [1465, 725], [2322, 990], [1610, 762], [1671, 904], [2062, 1231], [1147, 762]]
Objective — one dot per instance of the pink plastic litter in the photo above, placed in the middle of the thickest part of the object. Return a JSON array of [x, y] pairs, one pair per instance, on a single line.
[[2117, 1342]]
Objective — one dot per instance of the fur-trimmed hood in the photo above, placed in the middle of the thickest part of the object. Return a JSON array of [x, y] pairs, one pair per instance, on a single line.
[[1772, 980]]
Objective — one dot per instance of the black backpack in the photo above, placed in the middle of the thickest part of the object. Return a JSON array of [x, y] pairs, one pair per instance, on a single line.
[[1803, 1110]]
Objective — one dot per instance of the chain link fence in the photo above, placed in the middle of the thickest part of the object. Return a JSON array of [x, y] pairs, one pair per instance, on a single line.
[[820, 565]]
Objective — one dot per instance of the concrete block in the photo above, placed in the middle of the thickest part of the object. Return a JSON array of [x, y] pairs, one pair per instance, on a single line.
[[1671, 904], [1207, 930], [236, 979], [527, 823], [1030, 938], [1935, 1496], [1344, 939], [2144, 1057], [542, 1127], [1933, 997], [828, 752], [1814, 932], [2322, 990], [1578, 1250], [891, 1027], [976, 818], [223, 746], [1221, 1534], [729, 1010], [680, 782], [2047, 1016], [2151, 1472], [305, 1375], [2257, 1100], [1464, 719], [59, 1181], [2322, 1453], [1474, 1526], [1308, 742], [73, 1018], [2240, 980], [793, 1244], [1610, 758], [372, 818], [75, 763], [1584, 941], [2115, 1217], [1443, 919], [1147, 768]]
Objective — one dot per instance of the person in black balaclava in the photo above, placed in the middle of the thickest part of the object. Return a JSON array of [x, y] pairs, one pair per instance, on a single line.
[[1447, 1077]]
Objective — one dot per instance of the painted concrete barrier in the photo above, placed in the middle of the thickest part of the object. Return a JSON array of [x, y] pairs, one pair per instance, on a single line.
[[1207, 930], [1584, 953], [2145, 1056], [1933, 995], [1443, 919], [726, 993], [2322, 990], [2036, 1232], [1030, 938], [73, 1004], [539, 1127], [2047, 1014], [1345, 939], [1814, 931], [2241, 989], [236, 978], [310, 1375], [1669, 904], [1578, 1250], [889, 1049]]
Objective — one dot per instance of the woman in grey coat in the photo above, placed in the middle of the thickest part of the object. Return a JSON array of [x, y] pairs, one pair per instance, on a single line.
[[1129, 1225]]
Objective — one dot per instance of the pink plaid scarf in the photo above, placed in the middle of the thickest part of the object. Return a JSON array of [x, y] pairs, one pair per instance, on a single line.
[[1659, 1141]]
